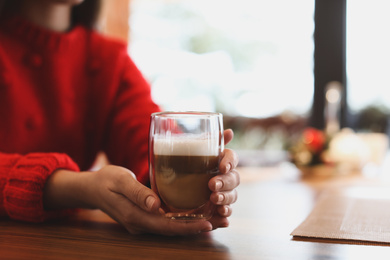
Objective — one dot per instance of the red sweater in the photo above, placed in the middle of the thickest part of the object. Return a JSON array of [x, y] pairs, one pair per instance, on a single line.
[[63, 98]]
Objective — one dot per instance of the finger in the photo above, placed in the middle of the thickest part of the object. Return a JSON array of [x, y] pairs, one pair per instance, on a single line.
[[180, 227], [229, 161], [225, 182], [135, 191], [138, 221], [157, 224], [228, 135], [224, 210], [224, 198], [218, 221]]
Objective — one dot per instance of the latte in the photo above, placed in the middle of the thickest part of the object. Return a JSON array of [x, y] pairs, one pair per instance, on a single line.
[[182, 171]]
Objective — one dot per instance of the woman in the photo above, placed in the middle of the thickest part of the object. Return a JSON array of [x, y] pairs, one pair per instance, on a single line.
[[67, 93]]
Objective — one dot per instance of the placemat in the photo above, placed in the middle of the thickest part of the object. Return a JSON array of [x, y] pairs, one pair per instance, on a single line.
[[352, 213]]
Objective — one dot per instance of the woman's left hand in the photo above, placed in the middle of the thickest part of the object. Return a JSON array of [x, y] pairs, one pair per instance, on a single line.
[[223, 186]]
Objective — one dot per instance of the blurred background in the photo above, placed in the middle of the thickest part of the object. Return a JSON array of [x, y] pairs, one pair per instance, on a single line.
[[266, 65]]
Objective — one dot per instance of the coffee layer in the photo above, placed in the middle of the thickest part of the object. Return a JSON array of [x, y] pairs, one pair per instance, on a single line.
[[182, 181]]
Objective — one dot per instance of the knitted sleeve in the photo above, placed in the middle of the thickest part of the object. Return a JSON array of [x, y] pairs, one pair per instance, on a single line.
[[22, 182]]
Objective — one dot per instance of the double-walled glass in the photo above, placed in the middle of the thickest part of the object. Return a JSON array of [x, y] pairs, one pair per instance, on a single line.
[[184, 154]]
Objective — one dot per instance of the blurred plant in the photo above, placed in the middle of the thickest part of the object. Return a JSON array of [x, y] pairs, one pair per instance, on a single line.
[[310, 148], [272, 133], [373, 119]]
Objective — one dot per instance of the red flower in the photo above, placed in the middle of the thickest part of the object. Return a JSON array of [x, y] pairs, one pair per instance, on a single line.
[[314, 139]]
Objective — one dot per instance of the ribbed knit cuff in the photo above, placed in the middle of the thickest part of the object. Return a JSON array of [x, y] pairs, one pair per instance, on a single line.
[[23, 192]]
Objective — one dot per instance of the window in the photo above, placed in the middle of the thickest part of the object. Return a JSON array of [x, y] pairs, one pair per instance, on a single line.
[[368, 63], [247, 58], [368, 53]]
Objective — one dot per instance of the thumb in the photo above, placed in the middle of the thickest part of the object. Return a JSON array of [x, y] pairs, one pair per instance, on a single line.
[[139, 194], [143, 197], [228, 135]]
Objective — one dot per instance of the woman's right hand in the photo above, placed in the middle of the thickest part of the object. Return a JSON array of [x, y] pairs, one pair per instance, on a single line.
[[135, 206], [116, 191]]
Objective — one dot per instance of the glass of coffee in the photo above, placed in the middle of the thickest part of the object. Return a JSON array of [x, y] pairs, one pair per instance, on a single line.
[[184, 154]]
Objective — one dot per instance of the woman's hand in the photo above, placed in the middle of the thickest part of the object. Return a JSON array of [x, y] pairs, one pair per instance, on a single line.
[[136, 207], [115, 191], [223, 185]]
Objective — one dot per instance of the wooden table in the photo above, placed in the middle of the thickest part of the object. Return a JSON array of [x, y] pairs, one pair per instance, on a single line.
[[272, 202]]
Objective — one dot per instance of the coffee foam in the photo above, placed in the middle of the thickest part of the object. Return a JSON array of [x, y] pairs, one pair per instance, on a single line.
[[186, 147]]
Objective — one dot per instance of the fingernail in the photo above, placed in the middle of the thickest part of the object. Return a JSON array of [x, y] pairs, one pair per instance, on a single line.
[[225, 225], [225, 210], [218, 185], [220, 198], [150, 201], [207, 229], [228, 167]]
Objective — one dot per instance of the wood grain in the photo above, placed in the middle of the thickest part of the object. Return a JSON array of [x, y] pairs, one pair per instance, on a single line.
[[272, 202]]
